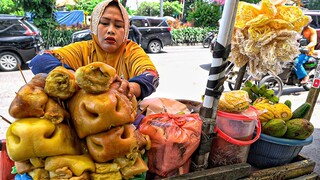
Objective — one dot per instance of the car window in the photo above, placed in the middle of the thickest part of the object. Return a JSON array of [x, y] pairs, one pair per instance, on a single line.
[[9, 27], [31, 26], [140, 22], [155, 22]]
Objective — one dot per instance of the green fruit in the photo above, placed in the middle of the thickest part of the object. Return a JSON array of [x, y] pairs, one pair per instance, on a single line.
[[301, 111], [255, 89], [288, 103], [269, 93], [299, 129], [274, 99], [275, 127], [263, 89], [248, 83]]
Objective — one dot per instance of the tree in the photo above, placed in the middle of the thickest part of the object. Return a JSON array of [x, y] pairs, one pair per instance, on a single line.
[[313, 5], [149, 9], [204, 14], [153, 9], [86, 5], [9, 7], [42, 13]]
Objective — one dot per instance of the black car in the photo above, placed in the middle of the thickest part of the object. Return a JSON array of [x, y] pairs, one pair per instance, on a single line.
[[155, 33], [20, 41]]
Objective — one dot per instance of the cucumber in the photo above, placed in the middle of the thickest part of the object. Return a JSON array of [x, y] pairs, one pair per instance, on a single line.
[[301, 111], [288, 103]]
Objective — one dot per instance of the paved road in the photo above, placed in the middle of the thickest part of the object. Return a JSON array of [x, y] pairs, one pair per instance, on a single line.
[[183, 75]]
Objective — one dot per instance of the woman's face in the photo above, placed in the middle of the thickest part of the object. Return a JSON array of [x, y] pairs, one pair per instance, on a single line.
[[111, 29]]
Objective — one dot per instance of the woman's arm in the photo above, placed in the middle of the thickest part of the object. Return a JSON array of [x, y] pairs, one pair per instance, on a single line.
[[44, 63]]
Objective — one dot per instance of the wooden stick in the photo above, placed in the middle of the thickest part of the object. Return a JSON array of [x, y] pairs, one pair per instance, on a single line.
[[22, 73], [6, 120]]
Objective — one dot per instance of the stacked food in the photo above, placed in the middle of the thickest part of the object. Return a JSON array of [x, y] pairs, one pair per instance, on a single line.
[[265, 36], [76, 126]]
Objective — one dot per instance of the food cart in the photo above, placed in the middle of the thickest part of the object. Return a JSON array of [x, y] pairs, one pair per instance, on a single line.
[[300, 166]]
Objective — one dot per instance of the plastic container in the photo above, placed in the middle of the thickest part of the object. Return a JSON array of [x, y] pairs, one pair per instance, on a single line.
[[238, 125], [271, 151], [234, 137]]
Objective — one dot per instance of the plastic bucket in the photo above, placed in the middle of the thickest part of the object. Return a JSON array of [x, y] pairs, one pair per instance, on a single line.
[[271, 151], [238, 125], [234, 137]]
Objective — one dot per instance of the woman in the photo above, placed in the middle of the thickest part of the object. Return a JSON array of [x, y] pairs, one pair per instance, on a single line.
[[109, 44]]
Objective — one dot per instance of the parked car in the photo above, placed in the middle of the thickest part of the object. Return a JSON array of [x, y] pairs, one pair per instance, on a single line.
[[20, 41], [315, 15], [155, 33]]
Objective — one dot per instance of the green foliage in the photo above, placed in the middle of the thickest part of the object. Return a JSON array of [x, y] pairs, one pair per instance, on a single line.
[[172, 8], [149, 9], [204, 14], [153, 9], [58, 37], [313, 5], [86, 5], [189, 35], [9, 7], [42, 13]]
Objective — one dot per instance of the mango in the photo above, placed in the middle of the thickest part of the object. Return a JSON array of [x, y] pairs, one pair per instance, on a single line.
[[299, 129], [275, 127]]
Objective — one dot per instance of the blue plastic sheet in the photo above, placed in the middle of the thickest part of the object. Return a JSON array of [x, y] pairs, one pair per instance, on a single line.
[[67, 18], [70, 18]]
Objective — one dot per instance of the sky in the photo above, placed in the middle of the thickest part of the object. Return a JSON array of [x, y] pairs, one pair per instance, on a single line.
[[133, 3]]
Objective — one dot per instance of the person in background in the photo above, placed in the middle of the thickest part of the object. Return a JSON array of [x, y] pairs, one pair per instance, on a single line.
[[109, 44], [310, 35]]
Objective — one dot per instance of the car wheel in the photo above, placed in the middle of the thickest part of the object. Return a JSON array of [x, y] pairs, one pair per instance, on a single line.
[[9, 61], [154, 46]]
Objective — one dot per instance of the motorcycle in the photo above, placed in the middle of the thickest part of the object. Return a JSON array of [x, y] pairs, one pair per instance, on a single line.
[[207, 41], [287, 77]]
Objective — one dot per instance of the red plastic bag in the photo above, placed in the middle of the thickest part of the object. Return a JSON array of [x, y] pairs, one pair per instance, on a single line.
[[6, 163], [174, 138]]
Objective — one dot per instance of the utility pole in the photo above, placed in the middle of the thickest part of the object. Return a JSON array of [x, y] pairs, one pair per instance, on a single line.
[[161, 8], [183, 1]]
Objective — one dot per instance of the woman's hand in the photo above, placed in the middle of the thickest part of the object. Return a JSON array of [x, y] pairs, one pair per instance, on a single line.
[[125, 87]]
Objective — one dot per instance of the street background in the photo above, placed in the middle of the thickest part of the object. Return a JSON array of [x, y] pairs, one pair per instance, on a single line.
[[183, 74]]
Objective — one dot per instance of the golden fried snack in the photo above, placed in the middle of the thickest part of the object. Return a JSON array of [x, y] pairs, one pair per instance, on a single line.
[[106, 171], [39, 173], [95, 77], [31, 99], [77, 164], [60, 83], [37, 162], [54, 112], [234, 101], [23, 166], [36, 137], [102, 168], [94, 113], [116, 142], [138, 168]]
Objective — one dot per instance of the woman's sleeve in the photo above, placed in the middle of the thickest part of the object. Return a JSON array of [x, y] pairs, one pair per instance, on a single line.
[[148, 81], [44, 63], [143, 71]]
